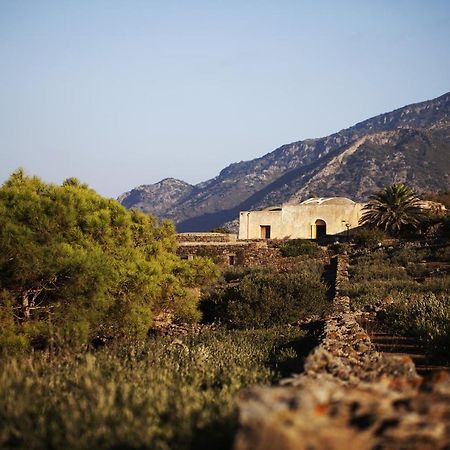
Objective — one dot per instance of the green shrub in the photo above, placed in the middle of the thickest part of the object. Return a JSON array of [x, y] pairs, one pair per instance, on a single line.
[[404, 256], [437, 284], [368, 237], [234, 274], [371, 294], [375, 266], [417, 270], [340, 247], [442, 253], [378, 272], [443, 230], [264, 299], [299, 247], [425, 316], [161, 394], [74, 263]]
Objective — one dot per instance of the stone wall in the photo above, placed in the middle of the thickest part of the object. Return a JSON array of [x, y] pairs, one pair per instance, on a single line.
[[248, 253], [206, 237], [349, 396]]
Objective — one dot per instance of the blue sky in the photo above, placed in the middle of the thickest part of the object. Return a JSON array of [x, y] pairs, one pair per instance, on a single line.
[[123, 93]]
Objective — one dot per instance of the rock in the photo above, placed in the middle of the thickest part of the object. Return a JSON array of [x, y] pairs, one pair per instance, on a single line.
[[349, 396]]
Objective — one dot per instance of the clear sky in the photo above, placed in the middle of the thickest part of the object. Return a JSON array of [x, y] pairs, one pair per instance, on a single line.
[[123, 93]]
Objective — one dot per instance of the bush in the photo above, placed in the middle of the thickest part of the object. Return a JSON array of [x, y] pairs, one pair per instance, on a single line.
[[442, 253], [299, 247], [74, 264], [234, 274], [368, 237], [404, 256], [417, 270], [370, 294], [340, 247], [372, 271], [157, 394], [264, 299], [425, 316], [444, 230]]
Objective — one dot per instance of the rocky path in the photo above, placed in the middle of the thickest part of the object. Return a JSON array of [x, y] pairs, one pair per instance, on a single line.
[[350, 395]]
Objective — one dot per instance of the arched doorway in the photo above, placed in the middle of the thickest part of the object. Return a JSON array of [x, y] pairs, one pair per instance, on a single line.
[[321, 228]]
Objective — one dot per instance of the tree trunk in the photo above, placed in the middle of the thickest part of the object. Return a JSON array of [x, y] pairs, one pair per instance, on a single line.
[[25, 307]]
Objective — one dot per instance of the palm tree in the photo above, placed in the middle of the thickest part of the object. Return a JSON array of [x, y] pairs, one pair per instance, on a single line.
[[393, 209]]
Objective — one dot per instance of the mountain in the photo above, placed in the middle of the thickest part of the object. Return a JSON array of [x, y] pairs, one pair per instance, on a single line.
[[158, 198], [410, 144]]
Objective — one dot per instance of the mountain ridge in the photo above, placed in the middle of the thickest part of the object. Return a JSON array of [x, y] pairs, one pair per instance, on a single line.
[[353, 162]]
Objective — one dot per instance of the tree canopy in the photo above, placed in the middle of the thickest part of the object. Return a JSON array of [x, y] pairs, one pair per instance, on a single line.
[[393, 209], [73, 264]]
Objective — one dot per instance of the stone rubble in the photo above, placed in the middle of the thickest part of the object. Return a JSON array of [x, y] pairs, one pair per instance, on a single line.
[[349, 396]]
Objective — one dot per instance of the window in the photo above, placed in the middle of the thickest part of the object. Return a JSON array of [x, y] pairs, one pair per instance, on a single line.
[[231, 260]]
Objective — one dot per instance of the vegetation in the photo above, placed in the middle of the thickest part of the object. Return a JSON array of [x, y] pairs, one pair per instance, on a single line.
[[393, 209], [438, 197], [368, 237], [409, 288], [74, 264], [265, 298], [423, 315], [155, 394], [381, 275], [299, 247]]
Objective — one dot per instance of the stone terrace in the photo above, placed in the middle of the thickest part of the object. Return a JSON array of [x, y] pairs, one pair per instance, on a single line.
[[349, 396]]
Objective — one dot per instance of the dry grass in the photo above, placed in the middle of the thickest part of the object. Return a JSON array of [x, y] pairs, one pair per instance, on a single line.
[[163, 393]]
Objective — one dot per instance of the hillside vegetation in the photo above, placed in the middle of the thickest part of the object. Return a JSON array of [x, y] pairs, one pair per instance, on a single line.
[[409, 288]]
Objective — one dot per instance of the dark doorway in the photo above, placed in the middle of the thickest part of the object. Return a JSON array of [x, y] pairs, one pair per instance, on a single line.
[[265, 231], [321, 228]]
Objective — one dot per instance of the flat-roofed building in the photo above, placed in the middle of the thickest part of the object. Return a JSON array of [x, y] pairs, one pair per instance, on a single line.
[[311, 219]]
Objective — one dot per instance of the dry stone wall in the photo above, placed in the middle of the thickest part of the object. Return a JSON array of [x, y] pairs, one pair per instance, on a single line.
[[349, 396], [248, 253], [206, 237]]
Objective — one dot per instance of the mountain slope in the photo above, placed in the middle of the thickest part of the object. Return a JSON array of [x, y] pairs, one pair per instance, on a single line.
[[157, 198], [410, 144]]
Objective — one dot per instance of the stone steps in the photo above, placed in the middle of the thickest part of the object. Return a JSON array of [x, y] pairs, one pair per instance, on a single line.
[[399, 347], [407, 346], [392, 340], [429, 371], [418, 358], [403, 346]]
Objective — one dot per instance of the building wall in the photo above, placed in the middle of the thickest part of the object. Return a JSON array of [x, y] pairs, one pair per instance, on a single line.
[[298, 221]]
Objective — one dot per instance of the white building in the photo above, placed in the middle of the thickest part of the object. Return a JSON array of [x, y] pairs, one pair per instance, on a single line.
[[311, 219]]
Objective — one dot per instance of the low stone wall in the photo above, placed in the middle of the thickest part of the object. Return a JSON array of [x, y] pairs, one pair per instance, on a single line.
[[206, 237], [256, 253], [349, 396]]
